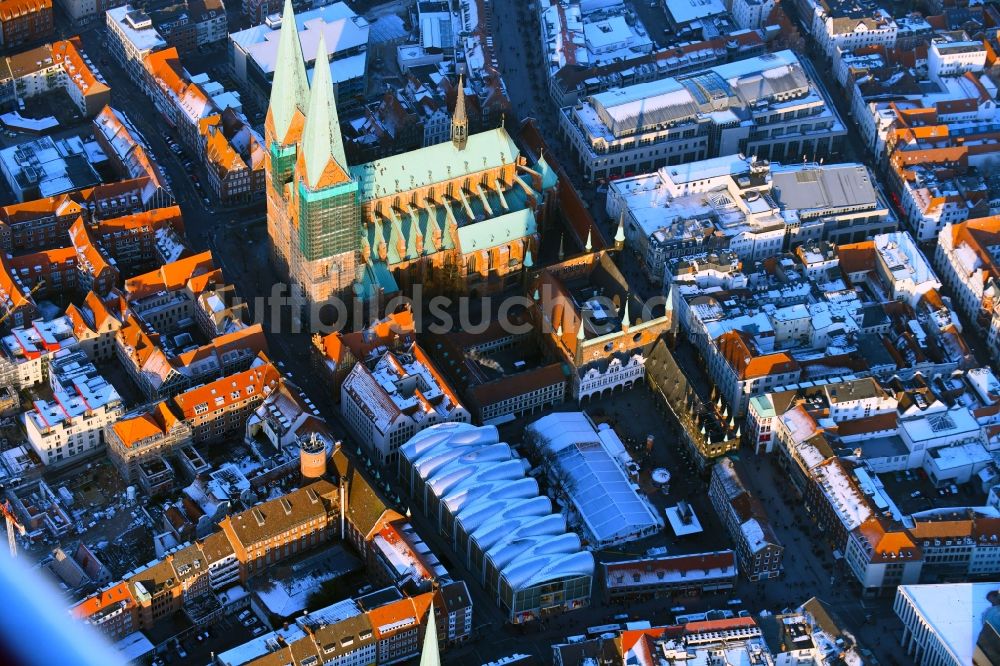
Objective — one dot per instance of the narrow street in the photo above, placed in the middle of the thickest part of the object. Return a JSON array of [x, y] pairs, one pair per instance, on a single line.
[[810, 574], [237, 238], [199, 218]]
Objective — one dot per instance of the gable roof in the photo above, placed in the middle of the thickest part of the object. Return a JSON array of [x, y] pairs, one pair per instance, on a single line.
[[113, 595], [434, 164], [158, 420], [886, 544], [170, 277], [259, 380], [742, 357], [336, 345], [278, 515]]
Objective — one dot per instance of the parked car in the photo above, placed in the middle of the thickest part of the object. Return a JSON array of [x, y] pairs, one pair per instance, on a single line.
[[244, 615], [257, 631]]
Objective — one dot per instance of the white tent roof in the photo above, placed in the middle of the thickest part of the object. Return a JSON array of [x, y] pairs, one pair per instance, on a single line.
[[484, 486], [611, 509]]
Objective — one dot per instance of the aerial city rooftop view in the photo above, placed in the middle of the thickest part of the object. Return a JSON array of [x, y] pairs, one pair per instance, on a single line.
[[500, 332]]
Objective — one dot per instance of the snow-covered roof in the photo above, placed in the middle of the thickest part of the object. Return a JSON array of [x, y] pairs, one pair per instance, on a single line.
[[903, 259], [344, 32], [847, 501], [77, 389], [632, 108], [483, 485], [686, 11], [588, 460], [953, 612], [401, 384], [954, 423], [137, 28], [961, 455], [134, 646], [702, 567]]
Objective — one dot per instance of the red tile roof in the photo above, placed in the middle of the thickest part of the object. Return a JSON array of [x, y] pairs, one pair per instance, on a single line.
[[158, 420], [737, 349], [888, 545], [170, 277], [103, 599], [260, 380]]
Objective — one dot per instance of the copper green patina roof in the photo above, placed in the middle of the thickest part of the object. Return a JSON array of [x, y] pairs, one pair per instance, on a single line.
[[549, 177], [321, 141], [290, 88], [498, 231], [375, 276], [480, 223], [434, 164], [425, 230]]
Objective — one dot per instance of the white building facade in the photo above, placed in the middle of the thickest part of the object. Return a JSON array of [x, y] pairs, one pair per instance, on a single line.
[[131, 37], [751, 14], [71, 426], [719, 111], [400, 395]]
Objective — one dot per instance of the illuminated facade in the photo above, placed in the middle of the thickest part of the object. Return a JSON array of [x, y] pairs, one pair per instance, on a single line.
[[463, 215]]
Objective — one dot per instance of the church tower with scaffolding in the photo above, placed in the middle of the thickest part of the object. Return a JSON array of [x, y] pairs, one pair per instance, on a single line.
[[312, 201], [460, 216]]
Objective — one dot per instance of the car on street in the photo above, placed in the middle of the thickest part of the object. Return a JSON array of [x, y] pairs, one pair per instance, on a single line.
[[257, 631]]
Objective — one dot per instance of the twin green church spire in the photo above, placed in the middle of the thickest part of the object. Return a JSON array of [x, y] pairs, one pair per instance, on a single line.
[[321, 141], [290, 88]]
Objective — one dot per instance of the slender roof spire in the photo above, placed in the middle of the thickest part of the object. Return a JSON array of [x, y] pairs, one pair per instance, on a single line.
[[430, 655], [321, 139], [290, 88], [626, 320], [620, 233], [589, 246], [459, 120]]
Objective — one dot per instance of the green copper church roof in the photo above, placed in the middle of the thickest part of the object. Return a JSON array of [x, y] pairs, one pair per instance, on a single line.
[[374, 277], [497, 231], [486, 229], [434, 164], [321, 140], [549, 177], [290, 88]]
